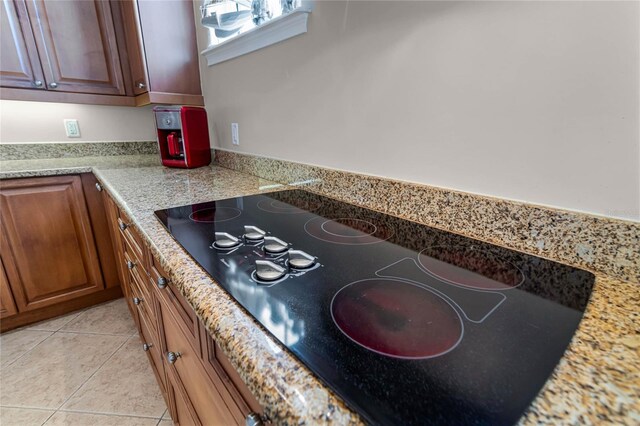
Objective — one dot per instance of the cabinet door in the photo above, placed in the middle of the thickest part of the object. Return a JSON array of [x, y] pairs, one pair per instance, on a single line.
[[7, 304], [189, 377], [19, 63], [134, 43], [77, 45], [46, 233], [168, 70]]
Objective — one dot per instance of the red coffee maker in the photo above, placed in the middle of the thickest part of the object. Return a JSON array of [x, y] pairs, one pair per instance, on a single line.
[[183, 136]]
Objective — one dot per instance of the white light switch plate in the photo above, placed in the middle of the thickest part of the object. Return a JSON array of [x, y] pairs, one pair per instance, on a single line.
[[72, 128]]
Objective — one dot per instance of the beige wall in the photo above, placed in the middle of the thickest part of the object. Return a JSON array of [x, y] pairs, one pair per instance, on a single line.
[[43, 122], [534, 101]]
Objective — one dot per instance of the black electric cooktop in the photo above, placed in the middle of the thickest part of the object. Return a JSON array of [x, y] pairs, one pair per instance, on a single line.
[[408, 324]]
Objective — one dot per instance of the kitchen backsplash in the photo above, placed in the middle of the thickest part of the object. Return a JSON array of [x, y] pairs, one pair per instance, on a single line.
[[30, 151], [599, 244]]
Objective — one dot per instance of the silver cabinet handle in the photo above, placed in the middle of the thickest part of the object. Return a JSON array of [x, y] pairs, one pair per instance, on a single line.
[[255, 419], [123, 226], [140, 85], [130, 264], [147, 346], [162, 282], [53, 85], [137, 300], [37, 83], [98, 187], [172, 357]]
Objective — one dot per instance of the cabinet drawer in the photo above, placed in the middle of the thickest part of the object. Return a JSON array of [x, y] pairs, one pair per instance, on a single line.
[[180, 308], [139, 300], [134, 253], [151, 345], [219, 368], [189, 374], [131, 236], [136, 268], [250, 402]]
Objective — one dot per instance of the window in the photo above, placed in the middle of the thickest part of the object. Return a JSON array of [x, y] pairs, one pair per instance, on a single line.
[[237, 27]]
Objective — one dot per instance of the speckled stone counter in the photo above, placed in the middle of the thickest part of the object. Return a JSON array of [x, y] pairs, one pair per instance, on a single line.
[[597, 381]]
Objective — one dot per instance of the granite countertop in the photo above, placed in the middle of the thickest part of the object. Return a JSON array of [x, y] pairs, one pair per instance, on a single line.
[[597, 381]]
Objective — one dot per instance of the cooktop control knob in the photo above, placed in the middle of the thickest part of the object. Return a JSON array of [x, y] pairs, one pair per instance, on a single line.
[[274, 245], [253, 233], [269, 271], [300, 260], [224, 240]]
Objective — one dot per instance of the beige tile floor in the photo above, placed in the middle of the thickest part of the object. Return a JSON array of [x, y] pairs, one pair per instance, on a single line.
[[84, 368]]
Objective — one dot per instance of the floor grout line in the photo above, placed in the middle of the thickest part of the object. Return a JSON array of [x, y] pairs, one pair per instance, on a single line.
[[93, 374], [29, 328], [29, 350], [99, 413], [127, 337], [27, 408], [94, 333], [47, 419]]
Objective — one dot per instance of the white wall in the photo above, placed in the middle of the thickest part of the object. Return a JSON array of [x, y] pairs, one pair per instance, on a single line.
[[43, 122], [534, 101]]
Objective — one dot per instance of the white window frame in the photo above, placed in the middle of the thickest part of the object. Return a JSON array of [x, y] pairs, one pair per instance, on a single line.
[[271, 32]]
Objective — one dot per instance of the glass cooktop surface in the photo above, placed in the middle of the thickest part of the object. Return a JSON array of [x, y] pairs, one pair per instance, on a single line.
[[406, 323]]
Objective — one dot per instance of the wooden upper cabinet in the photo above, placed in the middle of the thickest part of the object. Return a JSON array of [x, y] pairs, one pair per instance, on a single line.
[[110, 52], [77, 45], [19, 62], [7, 304], [48, 247], [163, 51]]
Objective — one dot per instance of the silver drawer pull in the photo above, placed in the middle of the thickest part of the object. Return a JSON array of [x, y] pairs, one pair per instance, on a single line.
[[172, 357], [123, 226], [147, 346], [162, 282], [137, 301], [98, 187], [130, 264], [255, 419]]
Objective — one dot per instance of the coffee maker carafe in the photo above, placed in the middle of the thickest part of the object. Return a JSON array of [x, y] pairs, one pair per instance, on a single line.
[[183, 136]]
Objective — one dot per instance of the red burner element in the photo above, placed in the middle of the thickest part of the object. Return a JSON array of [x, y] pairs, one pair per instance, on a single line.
[[471, 268], [397, 319], [215, 214]]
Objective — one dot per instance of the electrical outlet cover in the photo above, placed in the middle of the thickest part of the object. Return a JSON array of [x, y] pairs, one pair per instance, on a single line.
[[72, 128]]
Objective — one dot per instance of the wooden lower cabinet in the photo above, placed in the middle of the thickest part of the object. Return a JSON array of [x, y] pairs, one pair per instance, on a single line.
[[7, 304], [187, 374], [55, 247], [182, 411], [198, 382]]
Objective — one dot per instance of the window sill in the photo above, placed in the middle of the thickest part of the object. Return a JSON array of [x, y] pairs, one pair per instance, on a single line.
[[271, 32]]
